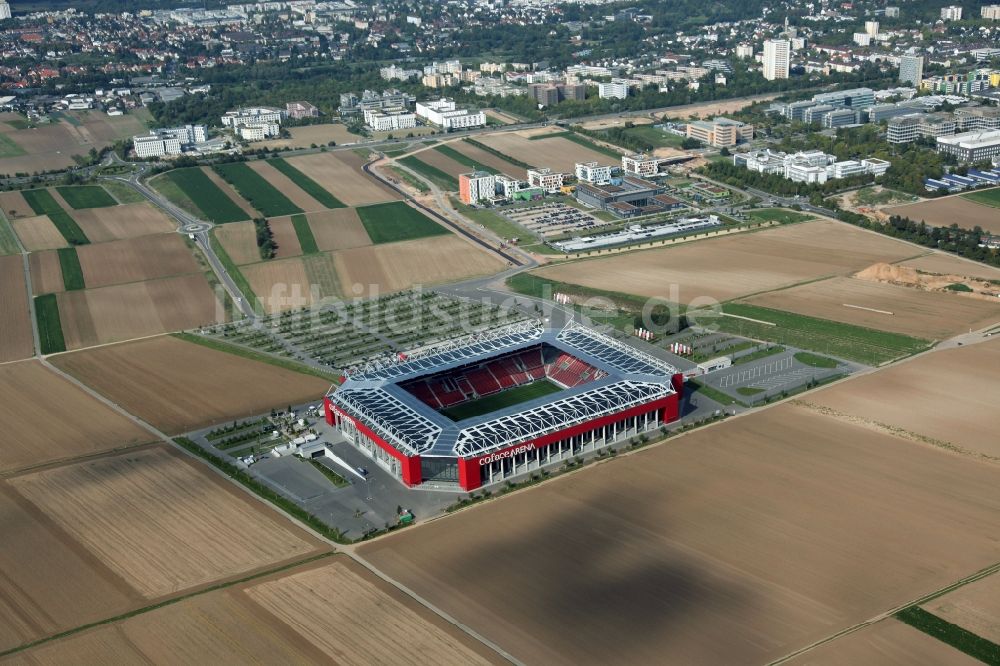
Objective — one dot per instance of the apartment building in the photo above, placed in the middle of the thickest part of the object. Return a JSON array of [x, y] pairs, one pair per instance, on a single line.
[[776, 59]]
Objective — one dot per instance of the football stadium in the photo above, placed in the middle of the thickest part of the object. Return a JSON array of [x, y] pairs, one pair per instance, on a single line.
[[503, 403]]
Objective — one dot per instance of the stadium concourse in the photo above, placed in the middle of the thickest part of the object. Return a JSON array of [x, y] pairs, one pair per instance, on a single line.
[[503, 403]]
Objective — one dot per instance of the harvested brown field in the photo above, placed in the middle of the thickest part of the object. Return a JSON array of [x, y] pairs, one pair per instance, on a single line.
[[280, 284], [127, 311], [943, 395], [731, 266], [46, 147], [944, 264], [285, 237], [46, 273], [16, 340], [396, 266], [160, 521], [347, 612], [923, 314], [887, 643], [14, 205], [340, 174], [338, 229], [307, 135], [697, 110], [179, 386], [488, 160], [974, 607], [442, 162], [48, 582], [231, 192], [38, 233], [735, 544], [947, 211], [136, 259], [286, 186], [29, 394], [239, 239], [556, 153], [120, 222]]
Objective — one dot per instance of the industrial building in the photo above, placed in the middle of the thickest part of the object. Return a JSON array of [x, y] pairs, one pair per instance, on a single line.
[[634, 196], [971, 146]]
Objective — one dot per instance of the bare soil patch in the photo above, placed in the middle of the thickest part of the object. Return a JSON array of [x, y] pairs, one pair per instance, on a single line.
[[340, 174], [347, 612], [160, 521], [735, 544], [280, 284], [179, 386], [488, 160], [395, 266], [945, 264], [557, 153], [125, 221], [924, 314], [944, 396], [29, 397], [974, 607], [239, 239], [286, 186], [46, 273], [731, 266], [14, 205], [135, 310], [16, 340], [135, 259], [338, 229], [321, 135], [38, 233], [887, 643], [947, 211], [442, 162], [285, 237]]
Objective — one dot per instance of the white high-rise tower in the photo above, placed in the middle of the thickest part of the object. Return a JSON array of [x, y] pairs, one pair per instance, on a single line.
[[776, 56]]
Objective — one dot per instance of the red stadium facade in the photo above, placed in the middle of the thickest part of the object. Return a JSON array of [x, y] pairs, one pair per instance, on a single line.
[[608, 393]]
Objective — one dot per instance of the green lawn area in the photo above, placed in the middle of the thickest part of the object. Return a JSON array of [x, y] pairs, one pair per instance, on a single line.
[[8, 241], [305, 234], [10, 149], [657, 137], [49, 327], [491, 220], [87, 196], [961, 639], [42, 202], [492, 403], [587, 143], [782, 215], [203, 193], [253, 187], [395, 221], [308, 185], [749, 390], [694, 386], [72, 272], [333, 477], [431, 173], [989, 197], [864, 345], [122, 192]]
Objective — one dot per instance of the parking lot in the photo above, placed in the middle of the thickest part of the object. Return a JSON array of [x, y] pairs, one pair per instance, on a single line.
[[553, 219]]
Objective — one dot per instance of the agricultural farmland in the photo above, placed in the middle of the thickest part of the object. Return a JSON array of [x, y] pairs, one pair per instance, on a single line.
[[307, 184], [946, 211], [240, 241], [256, 190], [14, 205], [160, 521], [29, 393], [556, 152], [486, 159], [430, 172], [277, 178], [38, 233], [754, 262], [943, 263], [136, 259], [735, 544], [340, 174], [888, 642], [396, 221], [124, 221], [179, 386], [16, 341], [338, 229], [86, 196], [46, 273], [975, 607], [214, 204], [280, 284], [285, 237]]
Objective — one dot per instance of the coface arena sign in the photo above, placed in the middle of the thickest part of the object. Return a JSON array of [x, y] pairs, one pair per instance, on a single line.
[[509, 453]]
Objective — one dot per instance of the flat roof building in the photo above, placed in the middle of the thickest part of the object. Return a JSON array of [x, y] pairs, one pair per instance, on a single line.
[[720, 132], [971, 146]]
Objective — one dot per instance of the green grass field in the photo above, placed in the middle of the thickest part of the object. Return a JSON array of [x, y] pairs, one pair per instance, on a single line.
[[855, 343], [42, 202], [305, 234], [492, 403], [587, 143], [18, 123], [657, 137], [86, 196], [308, 185], [8, 241], [10, 149], [122, 192], [989, 197], [961, 639], [499, 225], [206, 195], [49, 326], [253, 187], [395, 221], [782, 215], [72, 272], [431, 173]]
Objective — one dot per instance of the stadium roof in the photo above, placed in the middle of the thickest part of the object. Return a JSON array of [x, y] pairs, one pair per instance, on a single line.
[[373, 396]]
